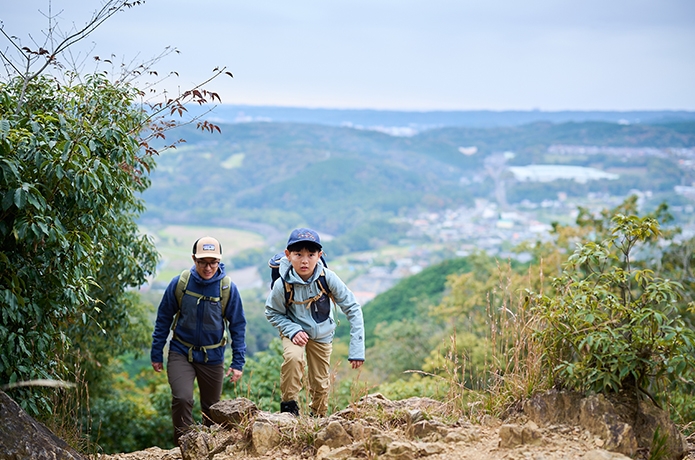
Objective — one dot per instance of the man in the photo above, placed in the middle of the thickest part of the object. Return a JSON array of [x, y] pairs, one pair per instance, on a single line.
[[196, 305]]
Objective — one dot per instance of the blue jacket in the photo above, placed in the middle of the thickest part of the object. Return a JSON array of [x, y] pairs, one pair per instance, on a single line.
[[320, 326], [200, 323]]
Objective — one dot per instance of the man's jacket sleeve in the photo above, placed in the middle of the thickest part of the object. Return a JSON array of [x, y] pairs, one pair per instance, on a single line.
[[237, 328], [165, 316]]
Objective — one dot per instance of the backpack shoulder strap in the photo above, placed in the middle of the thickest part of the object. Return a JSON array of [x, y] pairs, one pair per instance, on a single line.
[[289, 293], [225, 292], [181, 286], [323, 284]]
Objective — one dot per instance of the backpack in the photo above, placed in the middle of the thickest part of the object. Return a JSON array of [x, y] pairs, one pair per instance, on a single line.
[[225, 292], [274, 264]]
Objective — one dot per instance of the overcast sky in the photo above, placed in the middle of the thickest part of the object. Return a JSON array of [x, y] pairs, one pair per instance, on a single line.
[[407, 54]]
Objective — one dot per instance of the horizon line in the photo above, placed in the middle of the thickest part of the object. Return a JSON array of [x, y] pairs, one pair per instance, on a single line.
[[535, 110]]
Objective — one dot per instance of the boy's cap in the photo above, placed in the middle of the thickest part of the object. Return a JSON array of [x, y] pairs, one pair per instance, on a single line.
[[207, 246], [304, 234]]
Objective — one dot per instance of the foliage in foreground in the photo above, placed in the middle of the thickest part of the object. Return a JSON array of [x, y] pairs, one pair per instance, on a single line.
[[70, 173], [612, 327], [75, 157]]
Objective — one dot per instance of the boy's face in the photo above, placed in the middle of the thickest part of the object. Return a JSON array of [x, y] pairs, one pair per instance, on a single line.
[[304, 261]]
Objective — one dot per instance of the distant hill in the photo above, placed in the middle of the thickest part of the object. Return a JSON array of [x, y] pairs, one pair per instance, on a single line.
[[349, 182], [422, 120], [290, 174]]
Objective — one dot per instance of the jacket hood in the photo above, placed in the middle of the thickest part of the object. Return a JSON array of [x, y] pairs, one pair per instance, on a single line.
[[288, 274]]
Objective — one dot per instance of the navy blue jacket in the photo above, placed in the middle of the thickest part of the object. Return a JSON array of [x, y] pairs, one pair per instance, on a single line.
[[200, 323]]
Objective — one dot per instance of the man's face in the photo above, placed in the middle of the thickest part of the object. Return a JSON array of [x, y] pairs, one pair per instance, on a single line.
[[303, 261], [206, 267]]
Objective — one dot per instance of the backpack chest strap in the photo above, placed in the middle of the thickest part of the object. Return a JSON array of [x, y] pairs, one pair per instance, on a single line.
[[201, 297], [323, 287]]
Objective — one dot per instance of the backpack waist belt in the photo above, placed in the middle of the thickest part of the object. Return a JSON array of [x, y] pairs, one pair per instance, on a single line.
[[204, 349]]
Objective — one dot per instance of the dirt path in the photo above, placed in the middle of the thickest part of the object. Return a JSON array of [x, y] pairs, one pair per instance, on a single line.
[[555, 443]]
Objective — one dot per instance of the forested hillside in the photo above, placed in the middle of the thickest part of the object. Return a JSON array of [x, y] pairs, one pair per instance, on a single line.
[[343, 180]]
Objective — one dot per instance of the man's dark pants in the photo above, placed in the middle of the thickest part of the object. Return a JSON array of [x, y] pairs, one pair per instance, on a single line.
[[181, 375]]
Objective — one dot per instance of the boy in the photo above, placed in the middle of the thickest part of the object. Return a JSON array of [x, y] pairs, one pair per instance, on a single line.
[[305, 321], [196, 349]]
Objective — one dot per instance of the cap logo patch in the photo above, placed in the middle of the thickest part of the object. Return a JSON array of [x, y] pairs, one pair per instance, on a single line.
[[208, 247]]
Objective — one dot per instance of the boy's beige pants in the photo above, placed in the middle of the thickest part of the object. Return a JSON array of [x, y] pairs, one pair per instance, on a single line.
[[318, 361]]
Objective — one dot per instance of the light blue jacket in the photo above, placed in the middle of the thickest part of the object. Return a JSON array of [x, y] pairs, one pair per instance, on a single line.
[[291, 319]]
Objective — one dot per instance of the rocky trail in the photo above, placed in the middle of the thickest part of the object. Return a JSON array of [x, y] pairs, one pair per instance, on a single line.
[[554, 427]]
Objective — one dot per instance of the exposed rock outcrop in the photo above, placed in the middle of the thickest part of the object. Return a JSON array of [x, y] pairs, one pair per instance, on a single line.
[[626, 425], [23, 438]]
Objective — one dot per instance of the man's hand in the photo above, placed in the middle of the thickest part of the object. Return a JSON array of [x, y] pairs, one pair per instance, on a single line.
[[356, 364], [301, 338], [235, 374], [157, 367]]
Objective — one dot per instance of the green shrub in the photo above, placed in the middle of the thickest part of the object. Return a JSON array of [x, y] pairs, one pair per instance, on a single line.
[[611, 327]]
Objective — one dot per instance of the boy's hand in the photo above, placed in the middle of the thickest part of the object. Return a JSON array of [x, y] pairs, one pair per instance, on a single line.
[[356, 364], [301, 338]]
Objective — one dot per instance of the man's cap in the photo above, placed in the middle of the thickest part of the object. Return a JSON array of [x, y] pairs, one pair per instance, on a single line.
[[304, 234], [207, 246]]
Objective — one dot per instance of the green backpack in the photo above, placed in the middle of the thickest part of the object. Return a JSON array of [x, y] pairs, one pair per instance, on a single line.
[[223, 299]]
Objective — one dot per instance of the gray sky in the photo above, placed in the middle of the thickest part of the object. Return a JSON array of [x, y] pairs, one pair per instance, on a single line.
[[407, 54]]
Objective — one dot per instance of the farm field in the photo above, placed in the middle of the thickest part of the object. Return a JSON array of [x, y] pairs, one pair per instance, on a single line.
[[174, 243]]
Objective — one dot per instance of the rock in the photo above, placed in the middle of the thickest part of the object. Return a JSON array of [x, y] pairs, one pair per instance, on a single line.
[[489, 420], [333, 435], [322, 452], [233, 412], [554, 407], [264, 436], [266, 429], [401, 450], [649, 419], [462, 435], [195, 445], [624, 425], [600, 418], [341, 453], [516, 435], [280, 419], [379, 443], [425, 449], [600, 454], [357, 430], [428, 429], [360, 432], [25, 438]]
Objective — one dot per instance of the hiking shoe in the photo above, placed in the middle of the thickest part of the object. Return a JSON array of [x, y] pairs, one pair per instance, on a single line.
[[290, 406]]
